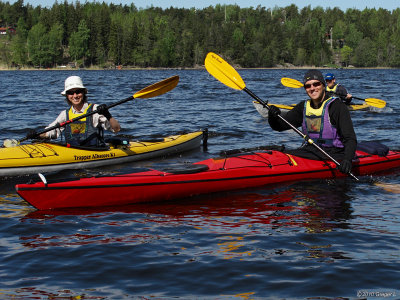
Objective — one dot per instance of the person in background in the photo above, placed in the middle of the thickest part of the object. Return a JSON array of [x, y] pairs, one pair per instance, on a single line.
[[336, 89], [84, 132], [325, 119]]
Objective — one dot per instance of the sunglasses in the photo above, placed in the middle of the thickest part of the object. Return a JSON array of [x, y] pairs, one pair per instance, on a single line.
[[74, 92], [314, 84], [329, 80]]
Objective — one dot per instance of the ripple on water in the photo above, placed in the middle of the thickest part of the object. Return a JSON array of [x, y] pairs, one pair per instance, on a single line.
[[298, 240]]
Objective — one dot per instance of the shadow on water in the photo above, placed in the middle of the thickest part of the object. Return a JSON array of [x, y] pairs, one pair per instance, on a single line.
[[219, 228], [314, 206]]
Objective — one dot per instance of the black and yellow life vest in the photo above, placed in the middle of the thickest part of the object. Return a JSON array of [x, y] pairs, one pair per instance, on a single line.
[[82, 132], [332, 90]]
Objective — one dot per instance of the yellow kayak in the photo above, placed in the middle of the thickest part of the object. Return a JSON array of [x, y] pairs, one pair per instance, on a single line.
[[46, 156], [285, 108]]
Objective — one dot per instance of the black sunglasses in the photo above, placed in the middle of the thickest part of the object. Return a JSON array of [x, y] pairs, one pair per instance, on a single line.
[[80, 91], [315, 84]]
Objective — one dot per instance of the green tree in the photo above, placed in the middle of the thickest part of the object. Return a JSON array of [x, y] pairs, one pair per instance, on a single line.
[[99, 26], [253, 37], [116, 38], [339, 30], [353, 36], [19, 44], [301, 57], [37, 40], [78, 43], [365, 55], [238, 42], [129, 39], [394, 42], [346, 53]]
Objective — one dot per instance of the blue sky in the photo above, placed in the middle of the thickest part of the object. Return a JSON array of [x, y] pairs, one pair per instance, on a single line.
[[342, 4]]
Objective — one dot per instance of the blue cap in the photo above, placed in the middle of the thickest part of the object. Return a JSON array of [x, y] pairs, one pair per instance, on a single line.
[[329, 76]]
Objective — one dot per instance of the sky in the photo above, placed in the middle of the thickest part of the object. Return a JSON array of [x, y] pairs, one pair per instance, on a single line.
[[342, 4]]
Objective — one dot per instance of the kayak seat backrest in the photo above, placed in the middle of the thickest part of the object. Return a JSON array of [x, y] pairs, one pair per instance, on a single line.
[[189, 169], [373, 147]]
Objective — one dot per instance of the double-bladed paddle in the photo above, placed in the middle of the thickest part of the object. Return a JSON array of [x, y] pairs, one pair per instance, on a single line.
[[226, 74], [293, 83], [153, 90]]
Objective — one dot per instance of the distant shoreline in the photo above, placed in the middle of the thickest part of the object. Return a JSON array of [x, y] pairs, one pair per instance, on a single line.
[[291, 67]]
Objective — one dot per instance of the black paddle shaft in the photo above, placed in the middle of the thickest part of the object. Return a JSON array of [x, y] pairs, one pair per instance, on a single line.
[[358, 98], [59, 125]]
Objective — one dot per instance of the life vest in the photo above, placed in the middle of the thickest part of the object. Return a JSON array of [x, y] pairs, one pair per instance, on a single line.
[[82, 132], [317, 125], [332, 90]]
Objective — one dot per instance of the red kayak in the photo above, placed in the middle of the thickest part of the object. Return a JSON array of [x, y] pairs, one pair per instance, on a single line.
[[237, 171]]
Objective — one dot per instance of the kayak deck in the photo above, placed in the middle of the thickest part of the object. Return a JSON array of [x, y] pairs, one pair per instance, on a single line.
[[208, 176], [46, 157]]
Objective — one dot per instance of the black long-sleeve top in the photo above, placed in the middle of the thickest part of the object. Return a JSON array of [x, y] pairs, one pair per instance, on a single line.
[[341, 92], [340, 118]]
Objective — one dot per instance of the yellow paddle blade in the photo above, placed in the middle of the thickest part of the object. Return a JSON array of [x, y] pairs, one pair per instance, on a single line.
[[223, 71], [389, 187], [281, 106], [292, 83], [158, 88], [375, 102]]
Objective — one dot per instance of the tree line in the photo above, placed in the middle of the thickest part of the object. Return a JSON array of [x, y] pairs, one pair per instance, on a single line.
[[100, 34]]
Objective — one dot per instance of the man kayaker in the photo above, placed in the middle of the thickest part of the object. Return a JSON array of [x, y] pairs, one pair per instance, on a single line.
[[325, 119], [84, 132], [336, 89]]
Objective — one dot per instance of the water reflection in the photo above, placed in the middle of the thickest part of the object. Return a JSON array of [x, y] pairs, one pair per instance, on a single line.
[[265, 241], [316, 208], [10, 208], [40, 293]]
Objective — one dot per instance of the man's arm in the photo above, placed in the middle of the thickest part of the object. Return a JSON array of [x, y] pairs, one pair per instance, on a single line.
[[343, 94], [294, 117]]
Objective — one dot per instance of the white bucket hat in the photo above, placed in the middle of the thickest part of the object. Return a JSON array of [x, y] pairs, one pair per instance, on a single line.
[[73, 82]]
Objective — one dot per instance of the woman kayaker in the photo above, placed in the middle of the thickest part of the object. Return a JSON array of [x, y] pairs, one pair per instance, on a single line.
[[326, 120], [336, 89], [84, 132]]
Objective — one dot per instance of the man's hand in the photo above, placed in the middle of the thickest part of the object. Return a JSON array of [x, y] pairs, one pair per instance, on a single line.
[[273, 111], [345, 166]]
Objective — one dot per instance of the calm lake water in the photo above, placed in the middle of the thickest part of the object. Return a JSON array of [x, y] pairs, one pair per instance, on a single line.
[[327, 238]]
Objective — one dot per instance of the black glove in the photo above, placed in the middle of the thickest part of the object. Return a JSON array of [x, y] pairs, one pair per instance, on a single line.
[[103, 110], [32, 134], [345, 166], [348, 100], [273, 111]]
